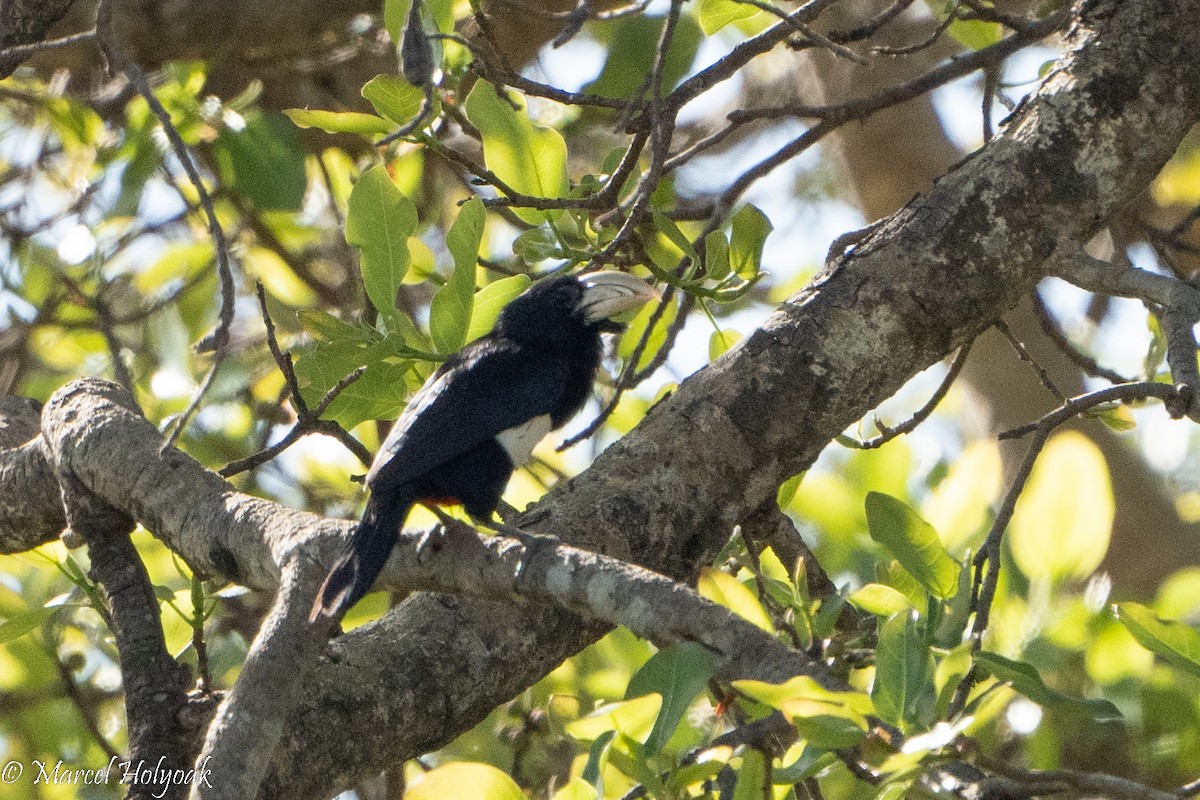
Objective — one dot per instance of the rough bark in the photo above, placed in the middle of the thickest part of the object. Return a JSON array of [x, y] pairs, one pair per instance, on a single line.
[[26, 22], [939, 272], [894, 155]]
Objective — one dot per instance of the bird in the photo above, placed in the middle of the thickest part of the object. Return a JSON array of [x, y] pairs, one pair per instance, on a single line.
[[480, 414]]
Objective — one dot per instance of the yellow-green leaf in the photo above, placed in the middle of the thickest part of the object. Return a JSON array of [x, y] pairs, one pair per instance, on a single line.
[[339, 121], [1063, 521], [726, 590], [490, 300], [379, 221], [880, 600], [633, 718], [530, 159], [913, 542], [463, 780], [1174, 642], [393, 98], [958, 507]]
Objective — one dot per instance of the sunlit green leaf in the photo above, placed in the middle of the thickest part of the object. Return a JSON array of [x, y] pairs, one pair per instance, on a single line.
[[379, 221], [634, 718], [632, 49], [913, 542], [339, 121], [576, 789], [720, 342], [726, 590], [529, 158], [958, 507], [716, 256], [1174, 642], [393, 98], [21, 624], [490, 300], [752, 777], [1063, 520], [450, 310], [462, 780], [716, 14], [678, 673], [903, 688], [880, 600], [750, 229]]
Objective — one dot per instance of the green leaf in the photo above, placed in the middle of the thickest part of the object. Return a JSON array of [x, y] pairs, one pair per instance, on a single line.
[[324, 325], [20, 624], [577, 789], [491, 300], [339, 121], [880, 600], [716, 256], [536, 244], [395, 13], [752, 777], [634, 718], [678, 673], [379, 221], [1026, 680], [913, 542], [378, 394], [461, 780], [1116, 416], [450, 310], [1063, 522], [975, 33], [393, 98], [631, 53], [530, 159], [726, 590], [1174, 642], [716, 14], [263, 162], [720, 342], [749, 233], [903, 688]]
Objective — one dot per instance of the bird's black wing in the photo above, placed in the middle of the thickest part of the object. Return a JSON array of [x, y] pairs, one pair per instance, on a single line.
[[489, 387]]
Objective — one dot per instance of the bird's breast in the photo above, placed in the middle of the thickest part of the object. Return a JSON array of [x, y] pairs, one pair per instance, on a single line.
[[518, 442]]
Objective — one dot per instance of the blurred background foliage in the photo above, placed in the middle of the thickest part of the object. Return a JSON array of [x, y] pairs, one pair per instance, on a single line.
[[377, 259]]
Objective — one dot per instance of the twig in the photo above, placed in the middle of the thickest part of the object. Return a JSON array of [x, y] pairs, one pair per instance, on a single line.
[[983, 589], [216, 341], [307, 421], [85, 709], [22, 51], [1077, 356], [1181, 311], [1022, 353], [888, 433]]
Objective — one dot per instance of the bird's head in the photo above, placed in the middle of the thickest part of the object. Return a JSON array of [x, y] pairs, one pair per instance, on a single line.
[[566, 305]]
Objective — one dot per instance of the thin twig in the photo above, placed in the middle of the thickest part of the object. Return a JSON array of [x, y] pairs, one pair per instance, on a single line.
[[307, 421], [887, 433], [22, 51], [1053, 332], [1019, 347], [983, 588]]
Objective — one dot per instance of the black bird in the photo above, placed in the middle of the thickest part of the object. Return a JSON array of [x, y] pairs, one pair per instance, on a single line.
[[479, 416]]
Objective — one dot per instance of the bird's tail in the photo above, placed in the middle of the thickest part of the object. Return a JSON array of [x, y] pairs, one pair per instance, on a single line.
[[359, 565]]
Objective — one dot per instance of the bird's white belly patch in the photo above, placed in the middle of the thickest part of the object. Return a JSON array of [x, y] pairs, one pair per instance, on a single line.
[[519, 442]]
